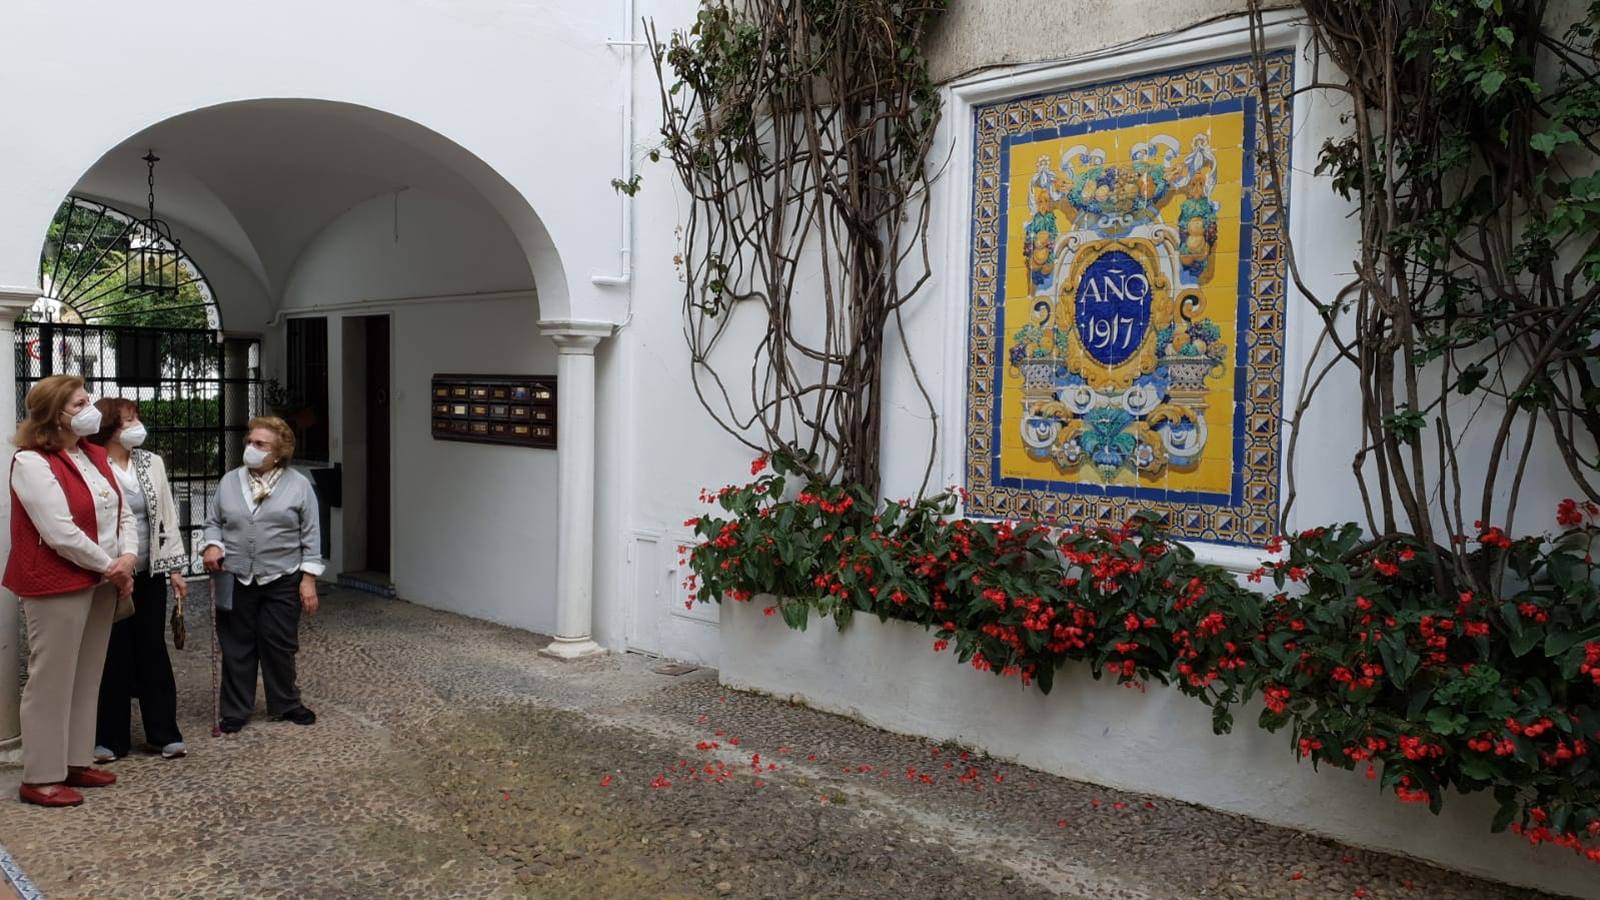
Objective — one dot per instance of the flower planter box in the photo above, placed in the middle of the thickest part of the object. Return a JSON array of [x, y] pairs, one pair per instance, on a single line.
[[1159, 742]]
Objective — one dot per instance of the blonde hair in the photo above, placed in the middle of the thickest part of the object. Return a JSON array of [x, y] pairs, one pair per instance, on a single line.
[[285, 435], [47, 399]]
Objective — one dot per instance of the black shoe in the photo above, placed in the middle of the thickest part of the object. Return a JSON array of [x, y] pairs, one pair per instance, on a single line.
[[300, 716], [230, 726]]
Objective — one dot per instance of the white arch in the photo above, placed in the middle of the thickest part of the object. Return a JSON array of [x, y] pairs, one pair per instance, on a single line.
[[401, 141]]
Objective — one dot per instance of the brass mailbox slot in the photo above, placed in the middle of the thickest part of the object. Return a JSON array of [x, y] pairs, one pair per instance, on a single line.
[[495, 409]]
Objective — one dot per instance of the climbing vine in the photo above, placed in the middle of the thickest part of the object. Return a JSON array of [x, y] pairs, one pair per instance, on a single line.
[[801, 132], [1468, 325]]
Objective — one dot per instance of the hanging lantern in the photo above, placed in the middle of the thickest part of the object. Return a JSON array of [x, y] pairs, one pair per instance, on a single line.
[[152, 260]]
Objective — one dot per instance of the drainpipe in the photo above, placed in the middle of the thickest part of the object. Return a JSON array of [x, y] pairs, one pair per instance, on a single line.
[[627, 45]]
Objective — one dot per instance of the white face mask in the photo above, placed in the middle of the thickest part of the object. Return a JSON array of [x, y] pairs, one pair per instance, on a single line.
[[87, 421], [254, 456], [133, 436]]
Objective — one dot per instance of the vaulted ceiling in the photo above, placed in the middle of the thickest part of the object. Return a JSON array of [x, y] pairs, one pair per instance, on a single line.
[[261, 179]]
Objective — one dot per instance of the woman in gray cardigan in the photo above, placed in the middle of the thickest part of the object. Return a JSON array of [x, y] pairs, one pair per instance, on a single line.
[[264, 534]]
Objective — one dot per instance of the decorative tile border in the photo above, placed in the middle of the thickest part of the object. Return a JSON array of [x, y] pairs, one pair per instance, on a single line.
[[1245, 512], [19, 882]]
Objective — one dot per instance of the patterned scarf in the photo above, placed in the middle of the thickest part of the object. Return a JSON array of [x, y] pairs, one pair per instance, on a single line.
[[262, 486]]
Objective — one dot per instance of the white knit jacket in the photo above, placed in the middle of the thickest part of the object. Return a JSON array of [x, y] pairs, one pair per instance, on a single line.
[[167, 553]]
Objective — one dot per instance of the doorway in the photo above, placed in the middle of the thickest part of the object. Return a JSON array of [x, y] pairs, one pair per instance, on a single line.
[[368, 451], [377, 402]]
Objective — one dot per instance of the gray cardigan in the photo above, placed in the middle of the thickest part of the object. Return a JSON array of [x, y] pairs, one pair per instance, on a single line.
[[282, 536]]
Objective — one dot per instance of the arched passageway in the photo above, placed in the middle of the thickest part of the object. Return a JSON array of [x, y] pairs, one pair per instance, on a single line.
[[367, 254]]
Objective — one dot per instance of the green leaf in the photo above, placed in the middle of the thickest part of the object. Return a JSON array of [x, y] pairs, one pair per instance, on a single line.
[[1573, 662], [1471, 377], [1221, 720], [1546, 142], [1504, 816], [1505, 35], [794, 613], [1491, 81], [1512, 618], [1446, 722], [1527, 640], [1559, 642], [1419, 701], [1045, 678], [1478, 768]]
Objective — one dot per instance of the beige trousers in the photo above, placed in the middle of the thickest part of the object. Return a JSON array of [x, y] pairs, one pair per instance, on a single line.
[[67, 638]]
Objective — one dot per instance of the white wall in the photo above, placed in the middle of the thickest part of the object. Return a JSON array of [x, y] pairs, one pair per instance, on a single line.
[[1158, 742], [415, 243], [887, 674], [473, 526], [529, 89], [533, 92], [970, 36]]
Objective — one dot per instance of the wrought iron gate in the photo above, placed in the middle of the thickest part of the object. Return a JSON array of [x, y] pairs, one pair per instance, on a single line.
[[195, 392], [123, 306]]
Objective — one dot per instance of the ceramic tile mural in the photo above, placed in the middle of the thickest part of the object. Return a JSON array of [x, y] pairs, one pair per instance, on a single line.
[[1126, 321]]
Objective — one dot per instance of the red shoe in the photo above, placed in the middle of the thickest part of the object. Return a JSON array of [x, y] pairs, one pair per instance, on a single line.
[[49, 795], [88, 778]]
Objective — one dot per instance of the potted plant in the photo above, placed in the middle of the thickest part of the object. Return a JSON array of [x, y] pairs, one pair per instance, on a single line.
[[289, 405]]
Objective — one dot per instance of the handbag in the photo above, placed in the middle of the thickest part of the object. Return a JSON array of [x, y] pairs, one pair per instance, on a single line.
[[180, 632]]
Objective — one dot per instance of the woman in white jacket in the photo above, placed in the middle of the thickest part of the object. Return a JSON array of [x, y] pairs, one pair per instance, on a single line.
[[137, 664]]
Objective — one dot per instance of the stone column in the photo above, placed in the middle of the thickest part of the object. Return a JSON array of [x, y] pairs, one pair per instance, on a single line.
[[575, 463], [13, 302]]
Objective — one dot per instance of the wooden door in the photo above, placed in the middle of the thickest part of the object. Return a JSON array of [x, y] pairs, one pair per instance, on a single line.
[[378, 444]]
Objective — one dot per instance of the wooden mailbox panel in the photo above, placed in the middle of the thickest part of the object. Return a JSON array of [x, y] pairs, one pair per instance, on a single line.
[[495, 409]]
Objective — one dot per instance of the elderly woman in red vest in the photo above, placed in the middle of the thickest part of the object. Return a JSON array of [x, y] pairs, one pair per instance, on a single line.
[[73, 548]]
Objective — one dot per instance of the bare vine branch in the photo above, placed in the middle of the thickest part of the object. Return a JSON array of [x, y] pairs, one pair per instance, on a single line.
[[801, 130], [1470, 157]]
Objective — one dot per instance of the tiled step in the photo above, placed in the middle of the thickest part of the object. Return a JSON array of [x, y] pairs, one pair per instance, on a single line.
[[368, 582]]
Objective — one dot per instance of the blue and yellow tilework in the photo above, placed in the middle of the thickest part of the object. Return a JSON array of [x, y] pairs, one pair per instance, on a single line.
[[1125, 342]]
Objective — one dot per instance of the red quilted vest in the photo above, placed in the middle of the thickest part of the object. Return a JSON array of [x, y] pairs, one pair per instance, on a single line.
[[34, 569]]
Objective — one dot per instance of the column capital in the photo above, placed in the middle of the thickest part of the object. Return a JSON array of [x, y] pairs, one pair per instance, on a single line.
[[14, 301], [576, 336]]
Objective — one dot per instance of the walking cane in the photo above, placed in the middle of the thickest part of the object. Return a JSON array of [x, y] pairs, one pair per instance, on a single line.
[[216, 691]]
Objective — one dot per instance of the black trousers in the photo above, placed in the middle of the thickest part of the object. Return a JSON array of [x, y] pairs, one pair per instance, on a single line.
[[261, 631], [137, 665]]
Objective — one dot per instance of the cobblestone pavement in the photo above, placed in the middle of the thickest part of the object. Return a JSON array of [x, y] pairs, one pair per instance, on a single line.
[[450, 760]]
